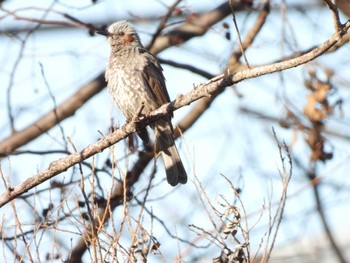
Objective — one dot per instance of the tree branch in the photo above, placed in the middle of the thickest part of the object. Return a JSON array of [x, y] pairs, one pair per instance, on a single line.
[[337, 249], [200, 91]]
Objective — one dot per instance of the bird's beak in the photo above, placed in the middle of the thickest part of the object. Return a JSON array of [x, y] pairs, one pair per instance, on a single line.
[[103, 32]]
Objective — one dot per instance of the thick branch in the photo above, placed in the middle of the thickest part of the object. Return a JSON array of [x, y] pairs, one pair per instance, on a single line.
[[45, 123]]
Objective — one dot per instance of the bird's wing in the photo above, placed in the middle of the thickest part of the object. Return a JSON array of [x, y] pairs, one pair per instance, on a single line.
[[153, 76]]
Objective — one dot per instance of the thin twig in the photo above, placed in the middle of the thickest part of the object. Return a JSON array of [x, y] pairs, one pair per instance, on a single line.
[[55, 106], [163, 22], [334, 8], [24, 238], [285, 179], [238, 34]]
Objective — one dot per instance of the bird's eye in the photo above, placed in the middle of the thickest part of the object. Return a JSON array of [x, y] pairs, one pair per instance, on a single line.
[[121, 34]]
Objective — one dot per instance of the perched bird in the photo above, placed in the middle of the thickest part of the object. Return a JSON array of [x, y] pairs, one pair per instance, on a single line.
[[135, 78]]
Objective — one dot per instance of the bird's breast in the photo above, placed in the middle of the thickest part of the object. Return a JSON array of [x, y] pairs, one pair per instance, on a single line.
[[129, 90]]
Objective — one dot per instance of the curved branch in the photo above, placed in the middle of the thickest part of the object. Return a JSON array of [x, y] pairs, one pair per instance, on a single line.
[[202, 90]]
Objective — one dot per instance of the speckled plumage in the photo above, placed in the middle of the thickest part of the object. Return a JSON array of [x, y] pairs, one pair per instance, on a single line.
[[134, 76]]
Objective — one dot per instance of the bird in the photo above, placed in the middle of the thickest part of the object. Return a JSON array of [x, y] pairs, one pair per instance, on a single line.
[[135, 81]]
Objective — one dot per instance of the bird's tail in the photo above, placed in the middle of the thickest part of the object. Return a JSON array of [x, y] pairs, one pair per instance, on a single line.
[[175, 171]]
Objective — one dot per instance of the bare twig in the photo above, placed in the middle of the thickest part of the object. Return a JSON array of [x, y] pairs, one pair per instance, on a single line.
[[238, 33], [276, 220], [194, 27], [24, 238], [54, 104], [333, 7], [249, 38], [43, 21], [61, 112], [163, 22]]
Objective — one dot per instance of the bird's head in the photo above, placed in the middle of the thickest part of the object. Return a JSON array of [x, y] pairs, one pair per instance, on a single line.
[[121, 33]]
